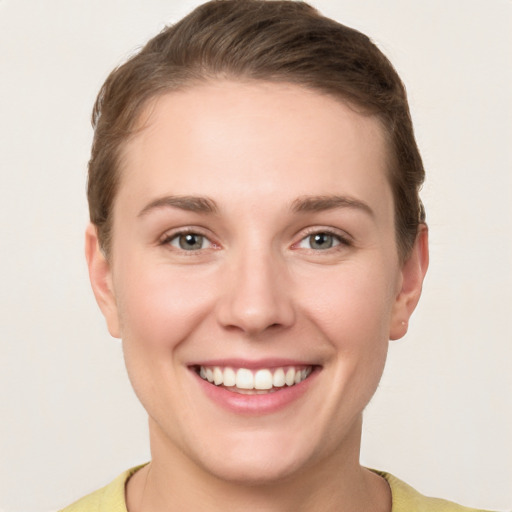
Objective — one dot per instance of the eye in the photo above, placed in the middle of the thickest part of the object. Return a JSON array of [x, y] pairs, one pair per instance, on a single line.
[[188, 241], [320, 241]]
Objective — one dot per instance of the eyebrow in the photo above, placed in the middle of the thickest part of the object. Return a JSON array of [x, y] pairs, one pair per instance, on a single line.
[[329, 202], [197, 204], [304, 204]]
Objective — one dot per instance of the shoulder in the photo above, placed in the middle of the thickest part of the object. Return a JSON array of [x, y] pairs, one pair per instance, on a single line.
[[405, 499], [110, 498]]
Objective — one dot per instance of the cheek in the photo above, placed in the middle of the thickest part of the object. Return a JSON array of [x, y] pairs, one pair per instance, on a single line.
[[352, 305], [159, 308], [354, 313]]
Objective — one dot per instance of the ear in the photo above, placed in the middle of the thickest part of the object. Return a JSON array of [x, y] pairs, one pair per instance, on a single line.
[[100, 275], [412, 276]]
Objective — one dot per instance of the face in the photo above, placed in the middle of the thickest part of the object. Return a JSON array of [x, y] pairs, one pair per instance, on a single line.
[[254, 277]]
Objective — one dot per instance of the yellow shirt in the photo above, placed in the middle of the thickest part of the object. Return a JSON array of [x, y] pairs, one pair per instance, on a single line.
[[405, 499]]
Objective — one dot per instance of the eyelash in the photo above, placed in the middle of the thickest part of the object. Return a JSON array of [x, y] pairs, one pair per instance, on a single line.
[[169, 237], [342, 241]]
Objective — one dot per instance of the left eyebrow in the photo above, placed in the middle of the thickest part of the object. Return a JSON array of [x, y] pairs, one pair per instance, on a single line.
[[329, 202], [199, 204]]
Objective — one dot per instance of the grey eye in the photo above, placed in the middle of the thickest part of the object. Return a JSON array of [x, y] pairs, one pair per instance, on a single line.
[[319, 241], [189, 242]]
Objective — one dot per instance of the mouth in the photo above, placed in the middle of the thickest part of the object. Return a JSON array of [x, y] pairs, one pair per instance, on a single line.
[[254, 381]]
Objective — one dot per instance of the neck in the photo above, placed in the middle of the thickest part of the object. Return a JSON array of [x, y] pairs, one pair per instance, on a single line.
[[173, 482]]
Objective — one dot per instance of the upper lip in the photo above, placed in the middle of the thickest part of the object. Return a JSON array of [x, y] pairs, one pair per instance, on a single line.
[[252, 364]]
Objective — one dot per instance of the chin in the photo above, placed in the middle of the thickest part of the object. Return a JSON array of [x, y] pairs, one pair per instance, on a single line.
[[256, 458], [253, 469]]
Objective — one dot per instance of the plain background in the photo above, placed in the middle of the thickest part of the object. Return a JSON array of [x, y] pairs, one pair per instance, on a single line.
[[442, 418]]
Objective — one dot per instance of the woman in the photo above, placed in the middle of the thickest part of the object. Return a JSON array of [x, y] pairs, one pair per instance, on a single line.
[[256, 239]]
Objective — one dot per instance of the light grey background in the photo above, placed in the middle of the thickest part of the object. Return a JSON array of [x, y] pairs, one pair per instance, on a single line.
[[442, 419]]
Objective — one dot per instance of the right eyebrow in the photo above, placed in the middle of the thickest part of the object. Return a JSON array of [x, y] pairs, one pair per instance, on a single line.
[[329, 202], [199, 204]]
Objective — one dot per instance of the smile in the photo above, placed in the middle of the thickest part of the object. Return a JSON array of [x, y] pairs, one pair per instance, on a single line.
[[260, 381]]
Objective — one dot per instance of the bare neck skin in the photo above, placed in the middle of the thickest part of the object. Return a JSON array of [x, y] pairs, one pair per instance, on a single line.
[[172, 483]]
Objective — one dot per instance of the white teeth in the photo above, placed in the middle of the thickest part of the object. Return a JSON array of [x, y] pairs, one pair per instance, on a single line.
[[218, 378], [244, 379], [290, 377], [278, 378], [262, 380], [229, 377]]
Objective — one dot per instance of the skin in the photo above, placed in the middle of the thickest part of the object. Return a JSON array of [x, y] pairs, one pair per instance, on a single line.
[[256, 289]]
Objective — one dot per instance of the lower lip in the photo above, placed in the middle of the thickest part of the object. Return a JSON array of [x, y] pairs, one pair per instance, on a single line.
[[255, 404]]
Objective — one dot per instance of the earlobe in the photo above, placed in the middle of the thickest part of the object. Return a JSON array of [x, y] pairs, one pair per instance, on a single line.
[[412, 276], [100, 276]]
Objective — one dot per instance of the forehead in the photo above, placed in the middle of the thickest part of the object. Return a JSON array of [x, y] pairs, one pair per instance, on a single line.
[[252, 140]]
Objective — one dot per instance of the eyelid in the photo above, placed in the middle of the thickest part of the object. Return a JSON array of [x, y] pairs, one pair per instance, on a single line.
[[170, 235], [342, 236]]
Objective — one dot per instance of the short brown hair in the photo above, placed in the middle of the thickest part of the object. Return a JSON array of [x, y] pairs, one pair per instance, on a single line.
[[282, 41]]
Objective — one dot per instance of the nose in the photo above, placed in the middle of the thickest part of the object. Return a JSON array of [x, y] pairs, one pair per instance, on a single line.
[[257, 294]]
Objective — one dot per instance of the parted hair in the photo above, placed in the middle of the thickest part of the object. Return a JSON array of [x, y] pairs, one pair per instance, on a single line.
[[282, 41]]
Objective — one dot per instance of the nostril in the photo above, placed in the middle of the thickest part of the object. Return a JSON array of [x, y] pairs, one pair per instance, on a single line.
[[254, 303]]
